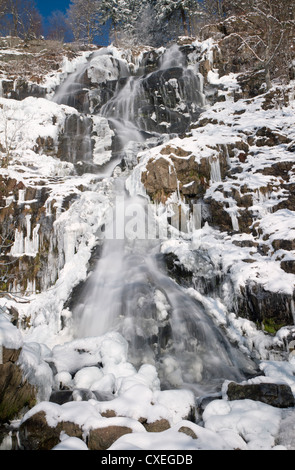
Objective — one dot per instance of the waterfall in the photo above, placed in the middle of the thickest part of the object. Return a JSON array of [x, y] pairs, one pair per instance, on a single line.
[[129, 290], [172, 57], [122, 294]]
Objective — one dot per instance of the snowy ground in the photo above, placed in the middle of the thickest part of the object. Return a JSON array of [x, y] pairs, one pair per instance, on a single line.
[[226, 425]]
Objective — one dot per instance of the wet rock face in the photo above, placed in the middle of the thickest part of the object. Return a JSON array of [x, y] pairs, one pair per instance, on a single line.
[[278, 395], [21, 89], [75, 143], [172, 98], [272, 310]]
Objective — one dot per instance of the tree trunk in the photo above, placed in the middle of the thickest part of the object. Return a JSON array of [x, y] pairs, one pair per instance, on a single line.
[[116, 36], [267, 77], [184, 22]]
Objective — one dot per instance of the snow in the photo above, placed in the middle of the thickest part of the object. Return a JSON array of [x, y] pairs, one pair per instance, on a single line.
[[256, 423], [70, 443], [10, 336], [51, 358]]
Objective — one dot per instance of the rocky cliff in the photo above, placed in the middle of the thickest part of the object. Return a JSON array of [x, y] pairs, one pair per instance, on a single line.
[[219, 159]]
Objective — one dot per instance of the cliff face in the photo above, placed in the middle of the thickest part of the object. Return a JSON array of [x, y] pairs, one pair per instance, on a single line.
[[220, 159], [238, 171]]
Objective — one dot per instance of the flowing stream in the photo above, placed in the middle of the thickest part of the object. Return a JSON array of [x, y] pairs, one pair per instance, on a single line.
[[129, 290]]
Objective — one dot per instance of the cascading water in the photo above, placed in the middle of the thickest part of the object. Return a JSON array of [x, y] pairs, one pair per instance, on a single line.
[[128, 291]]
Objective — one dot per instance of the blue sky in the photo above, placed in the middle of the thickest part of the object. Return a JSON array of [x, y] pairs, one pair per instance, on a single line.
[[45, 8]]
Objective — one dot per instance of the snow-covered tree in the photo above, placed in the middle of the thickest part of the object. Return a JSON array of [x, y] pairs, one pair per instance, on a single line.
[[114, 13], [166, 9], [139, 23], [84, 19], [146, 28]]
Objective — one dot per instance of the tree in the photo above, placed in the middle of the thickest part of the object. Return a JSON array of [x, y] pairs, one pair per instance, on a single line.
[[58, 26], [115, 12], [146, 28], [269, 27], [22, 18], [214, 9], [168, 8], [84, 19]]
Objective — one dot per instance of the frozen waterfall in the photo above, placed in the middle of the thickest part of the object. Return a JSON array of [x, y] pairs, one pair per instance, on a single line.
[[129, 290]]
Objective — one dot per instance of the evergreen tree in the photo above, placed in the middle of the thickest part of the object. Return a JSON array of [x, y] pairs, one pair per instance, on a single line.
[[140, 24], [166, 9], [115, 13]]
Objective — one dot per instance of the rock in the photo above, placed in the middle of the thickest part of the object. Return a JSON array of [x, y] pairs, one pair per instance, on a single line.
[[271, 310], [36, 434], [278, 395], [15, 392], [177, 170], [10, 355], [288, 266], [102, 438], [270, 138], [188, 431], [157, 426], [281, 244], [61, 396]]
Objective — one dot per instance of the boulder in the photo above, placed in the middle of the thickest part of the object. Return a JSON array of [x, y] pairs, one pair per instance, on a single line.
[[175, 169], [188, 431], [15, 392], [271, 310], [102, 438], [157, 426], [36, 434], [278, 395]]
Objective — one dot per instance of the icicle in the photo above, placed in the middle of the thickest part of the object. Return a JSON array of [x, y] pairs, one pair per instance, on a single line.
[[215, 173], [21, 196], [18, 247], [234, 216], [196, 217]]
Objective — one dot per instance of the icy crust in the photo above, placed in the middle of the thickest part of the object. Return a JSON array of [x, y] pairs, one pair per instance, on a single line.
[[52, 80], [25, 127]]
